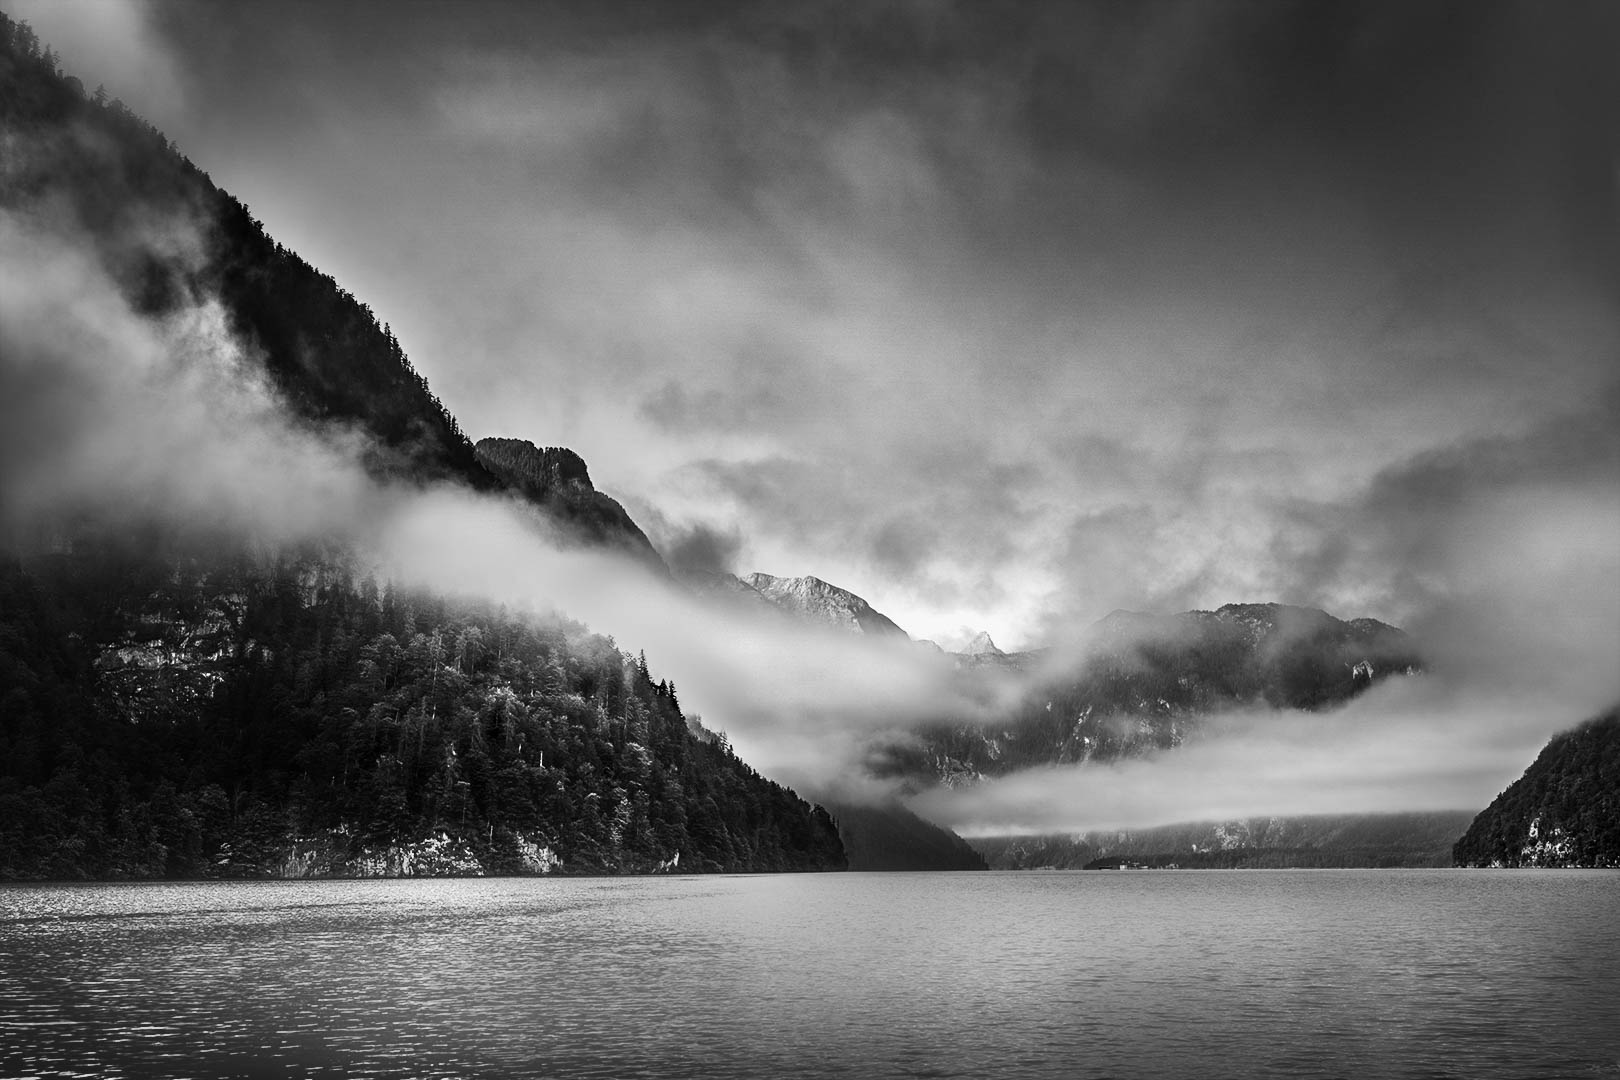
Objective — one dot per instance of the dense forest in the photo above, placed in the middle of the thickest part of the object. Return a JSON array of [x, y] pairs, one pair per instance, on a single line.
[[1564, 810], [175, 703], [188, 714]]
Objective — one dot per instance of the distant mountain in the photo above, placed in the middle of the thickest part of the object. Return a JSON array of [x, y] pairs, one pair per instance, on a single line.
[[982, 645], [806, 598], [890, 837], [982, 654], [1564, 810], [1145, 682], [556, 480], [1343, 840]]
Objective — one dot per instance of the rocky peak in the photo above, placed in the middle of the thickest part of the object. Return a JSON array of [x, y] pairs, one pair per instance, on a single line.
[[981, 645], [812, 598]]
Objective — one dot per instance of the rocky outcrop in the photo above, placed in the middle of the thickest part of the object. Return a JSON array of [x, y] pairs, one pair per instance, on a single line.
[[338, 854], [556, 480]]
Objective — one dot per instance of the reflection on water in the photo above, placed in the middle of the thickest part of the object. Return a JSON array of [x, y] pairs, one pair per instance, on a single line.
[[1247, 973]]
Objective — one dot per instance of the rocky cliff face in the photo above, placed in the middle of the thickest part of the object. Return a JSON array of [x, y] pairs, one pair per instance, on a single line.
[[1564, 810]]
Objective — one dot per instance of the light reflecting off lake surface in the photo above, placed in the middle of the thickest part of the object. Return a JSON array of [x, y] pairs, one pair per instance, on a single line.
[[1103, 974]]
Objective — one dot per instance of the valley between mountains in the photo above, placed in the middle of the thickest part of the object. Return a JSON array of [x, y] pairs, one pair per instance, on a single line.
[[267, 611]]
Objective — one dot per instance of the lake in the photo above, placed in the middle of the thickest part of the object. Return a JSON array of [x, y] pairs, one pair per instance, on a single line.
[[1407, 973]]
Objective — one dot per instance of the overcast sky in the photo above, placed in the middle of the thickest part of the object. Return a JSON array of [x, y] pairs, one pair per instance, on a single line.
[[1003, 316]]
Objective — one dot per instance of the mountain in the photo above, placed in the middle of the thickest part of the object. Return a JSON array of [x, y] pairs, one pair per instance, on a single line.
[[1342, 840], [1145, 682], [889, 837], [1564, 810], [806, 598], [982, 645], [556, 480], [176, 700], [982, 654], [178, 712], [122, 187]]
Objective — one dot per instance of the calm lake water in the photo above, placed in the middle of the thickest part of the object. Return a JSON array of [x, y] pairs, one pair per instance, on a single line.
[[1104, 974]]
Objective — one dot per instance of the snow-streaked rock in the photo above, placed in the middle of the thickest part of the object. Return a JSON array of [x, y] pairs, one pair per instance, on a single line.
[[817, 600]]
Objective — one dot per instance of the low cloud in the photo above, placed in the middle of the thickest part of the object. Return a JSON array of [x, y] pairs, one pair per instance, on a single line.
[[121, 415], [1413, 744], [1502, 555], [114, 416], [703, 549]]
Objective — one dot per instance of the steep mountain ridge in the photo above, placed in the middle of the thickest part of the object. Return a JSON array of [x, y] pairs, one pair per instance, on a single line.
[[161, 229], [557, 480]]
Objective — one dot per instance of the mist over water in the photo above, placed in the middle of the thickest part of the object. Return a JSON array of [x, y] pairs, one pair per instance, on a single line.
[[1131, 975]]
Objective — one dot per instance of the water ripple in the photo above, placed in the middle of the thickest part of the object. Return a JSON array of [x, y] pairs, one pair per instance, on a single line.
[[1208, 974]]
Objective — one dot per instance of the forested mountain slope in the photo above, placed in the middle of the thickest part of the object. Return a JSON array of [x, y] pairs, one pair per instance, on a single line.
[[1564, 810], [180, 712], [887, 836], [181, 697]]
